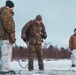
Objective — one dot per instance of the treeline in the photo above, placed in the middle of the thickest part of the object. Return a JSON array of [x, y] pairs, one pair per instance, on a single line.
[[52, 52], [48, 53]]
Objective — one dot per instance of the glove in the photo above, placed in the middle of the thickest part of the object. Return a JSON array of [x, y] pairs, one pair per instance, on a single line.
[[71, 49], [44, 37], [70, 52], [24, 39], [12, 41]]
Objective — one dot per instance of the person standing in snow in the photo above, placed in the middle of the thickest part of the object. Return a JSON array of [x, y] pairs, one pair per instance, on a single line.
[[7, 35], [33, 32], [72, 46]]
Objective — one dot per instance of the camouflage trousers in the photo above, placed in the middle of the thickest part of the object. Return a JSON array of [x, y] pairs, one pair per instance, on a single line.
[[35, 49], [6, 52]]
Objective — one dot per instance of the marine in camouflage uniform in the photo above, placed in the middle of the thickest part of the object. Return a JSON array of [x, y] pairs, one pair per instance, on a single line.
[[34, 33], [7, 35]]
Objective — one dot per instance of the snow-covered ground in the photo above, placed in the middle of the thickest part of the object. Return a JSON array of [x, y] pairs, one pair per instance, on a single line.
[[48, 65], [51, 67]]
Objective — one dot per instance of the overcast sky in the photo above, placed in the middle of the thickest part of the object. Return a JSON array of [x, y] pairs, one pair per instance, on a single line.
[[59, 17]]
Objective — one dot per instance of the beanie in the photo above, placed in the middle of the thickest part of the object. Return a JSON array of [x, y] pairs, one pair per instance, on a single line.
[[74, 29], [9, 3], [38, 18]]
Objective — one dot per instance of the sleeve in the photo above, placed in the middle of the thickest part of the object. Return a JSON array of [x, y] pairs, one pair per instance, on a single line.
[[71, 43], [44, 34], [24, 30], [8, 22]]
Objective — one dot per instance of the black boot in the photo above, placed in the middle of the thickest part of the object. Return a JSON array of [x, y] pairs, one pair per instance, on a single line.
[[72, 65], [30, 68], [11, 71], [2, 72], [41, 67]]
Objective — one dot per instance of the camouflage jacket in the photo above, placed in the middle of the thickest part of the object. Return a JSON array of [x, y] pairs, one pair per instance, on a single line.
[[35, 32], [6, 19], [72, 42]]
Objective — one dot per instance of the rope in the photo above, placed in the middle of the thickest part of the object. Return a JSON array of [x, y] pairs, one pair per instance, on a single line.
[[19, 61], [21, 65]]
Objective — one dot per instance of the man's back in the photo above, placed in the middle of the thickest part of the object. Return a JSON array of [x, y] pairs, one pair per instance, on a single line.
[[6, 23]]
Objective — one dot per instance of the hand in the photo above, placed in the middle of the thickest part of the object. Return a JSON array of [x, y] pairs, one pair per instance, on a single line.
[[70, 52], [12, 41], [71, 49], [44, 37]]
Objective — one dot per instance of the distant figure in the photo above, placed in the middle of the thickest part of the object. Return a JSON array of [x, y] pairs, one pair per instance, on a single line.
[[7, 35], [72, 45], [33, 34]]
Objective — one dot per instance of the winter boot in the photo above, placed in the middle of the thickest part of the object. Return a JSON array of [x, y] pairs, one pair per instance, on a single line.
[[41, 67], [2, 72], [72, 65], [30, 68], [11, 71]]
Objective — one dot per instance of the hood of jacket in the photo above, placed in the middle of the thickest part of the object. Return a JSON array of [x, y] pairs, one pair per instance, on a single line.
[[6, 8]]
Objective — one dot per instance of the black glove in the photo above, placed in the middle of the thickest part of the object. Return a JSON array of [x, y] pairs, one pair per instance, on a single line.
[[70, 52], [43, 37], [24, 39]]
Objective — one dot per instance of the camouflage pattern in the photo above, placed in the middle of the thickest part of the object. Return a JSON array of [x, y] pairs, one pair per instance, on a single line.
[[35, 49], [35, 41], [35, 32], [6, 19], [7, 37]]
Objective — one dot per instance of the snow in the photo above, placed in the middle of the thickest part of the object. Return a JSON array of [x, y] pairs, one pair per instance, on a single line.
[[48, 65], [52, 67]]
